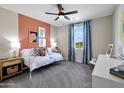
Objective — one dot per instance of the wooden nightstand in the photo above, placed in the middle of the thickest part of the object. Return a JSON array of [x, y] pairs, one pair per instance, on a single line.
[[10, 67]]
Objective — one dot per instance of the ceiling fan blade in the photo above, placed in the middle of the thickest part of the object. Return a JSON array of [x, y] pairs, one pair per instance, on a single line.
[[51, 13], [66, 17], [71, 12], [56, 19], [60, 7]]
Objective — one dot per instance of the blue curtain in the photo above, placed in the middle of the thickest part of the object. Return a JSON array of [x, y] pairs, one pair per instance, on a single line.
[[71, 50], [87, 53]]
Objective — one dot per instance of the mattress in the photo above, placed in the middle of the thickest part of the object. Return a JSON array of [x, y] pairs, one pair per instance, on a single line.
[[34, 62]]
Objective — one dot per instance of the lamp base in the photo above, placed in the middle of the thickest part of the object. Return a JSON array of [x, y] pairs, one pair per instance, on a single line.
[[15, 53]]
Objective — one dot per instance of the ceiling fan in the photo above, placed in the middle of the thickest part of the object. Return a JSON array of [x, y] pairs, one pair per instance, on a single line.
[[61, 13]]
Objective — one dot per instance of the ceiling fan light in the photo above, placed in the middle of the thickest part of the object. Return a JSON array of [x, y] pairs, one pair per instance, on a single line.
[[61, 16]]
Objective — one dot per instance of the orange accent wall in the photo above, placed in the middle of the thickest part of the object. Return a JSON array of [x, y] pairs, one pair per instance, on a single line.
[[27, 24]]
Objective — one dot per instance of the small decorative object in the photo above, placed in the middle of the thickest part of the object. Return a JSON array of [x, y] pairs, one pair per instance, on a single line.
[[41, 32], [109, 50], [32, 37]]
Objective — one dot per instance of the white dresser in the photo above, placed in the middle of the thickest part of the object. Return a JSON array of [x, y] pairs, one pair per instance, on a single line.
[[101, 77]]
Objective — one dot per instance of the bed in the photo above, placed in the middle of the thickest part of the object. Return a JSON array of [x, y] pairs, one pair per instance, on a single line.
[[34, 62]]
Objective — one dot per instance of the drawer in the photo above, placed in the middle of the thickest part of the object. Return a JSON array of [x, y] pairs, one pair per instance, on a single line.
[[12, 69], [11, 63]]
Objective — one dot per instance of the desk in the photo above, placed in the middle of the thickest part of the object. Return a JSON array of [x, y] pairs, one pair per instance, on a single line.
[[101, 77]]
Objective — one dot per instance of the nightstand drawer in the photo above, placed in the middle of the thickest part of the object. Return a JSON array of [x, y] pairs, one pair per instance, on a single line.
[[11, 63], [8, 70], [12, 69]]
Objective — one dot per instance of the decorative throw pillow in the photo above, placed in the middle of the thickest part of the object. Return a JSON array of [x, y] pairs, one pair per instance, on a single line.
[[49, 51], [42, 51], [36, 52], [27, 52]]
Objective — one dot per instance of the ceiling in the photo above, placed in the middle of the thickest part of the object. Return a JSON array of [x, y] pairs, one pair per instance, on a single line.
[[85, 11]]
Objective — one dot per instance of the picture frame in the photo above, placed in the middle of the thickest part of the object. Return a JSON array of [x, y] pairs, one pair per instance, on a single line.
[[41, 32], [42, 42], [109, 49], [33, 37]]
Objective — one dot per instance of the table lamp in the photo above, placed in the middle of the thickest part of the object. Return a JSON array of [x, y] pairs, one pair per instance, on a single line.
[[53, 44], [15, 48]]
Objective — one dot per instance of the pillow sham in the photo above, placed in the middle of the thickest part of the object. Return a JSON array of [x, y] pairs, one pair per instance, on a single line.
[[36, 52], [27, 52], [49, 51], [42, 51]]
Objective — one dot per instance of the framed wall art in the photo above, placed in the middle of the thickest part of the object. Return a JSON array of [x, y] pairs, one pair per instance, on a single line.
[[109, 49], [41, 36], [42, 42], [32, 37], [41, 32]]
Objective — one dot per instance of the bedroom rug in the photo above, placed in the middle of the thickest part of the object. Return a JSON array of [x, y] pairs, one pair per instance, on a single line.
[[57, 75]]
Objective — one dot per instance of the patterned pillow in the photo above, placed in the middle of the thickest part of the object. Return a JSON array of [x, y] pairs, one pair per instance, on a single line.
[[36, 52], [42, 51]]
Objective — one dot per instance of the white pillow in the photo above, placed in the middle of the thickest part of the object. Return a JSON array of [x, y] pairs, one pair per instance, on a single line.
[[49, 51], [27, 52]]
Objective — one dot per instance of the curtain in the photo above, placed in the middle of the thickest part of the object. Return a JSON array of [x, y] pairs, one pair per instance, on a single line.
[[71, 50], [87, 53]]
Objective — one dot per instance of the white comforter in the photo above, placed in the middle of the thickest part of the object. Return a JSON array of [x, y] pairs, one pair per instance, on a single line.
[[34, 62]]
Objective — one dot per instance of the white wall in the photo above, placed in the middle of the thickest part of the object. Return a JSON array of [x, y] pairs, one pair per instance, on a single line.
[[101, 36], [101, 29], [54, 33], [63, 44], [8, 30], [116, 28], [63, 40]]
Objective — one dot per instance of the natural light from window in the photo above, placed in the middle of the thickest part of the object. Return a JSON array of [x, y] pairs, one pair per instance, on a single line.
[[78, 35]]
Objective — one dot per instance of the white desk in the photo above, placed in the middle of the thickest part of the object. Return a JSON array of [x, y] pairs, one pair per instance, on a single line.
[[101, 77]]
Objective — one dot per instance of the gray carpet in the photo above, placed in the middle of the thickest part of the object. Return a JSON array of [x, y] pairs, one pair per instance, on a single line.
[[56, 75]]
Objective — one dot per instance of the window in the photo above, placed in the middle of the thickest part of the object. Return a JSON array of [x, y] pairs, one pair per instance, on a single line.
[[78, 35]]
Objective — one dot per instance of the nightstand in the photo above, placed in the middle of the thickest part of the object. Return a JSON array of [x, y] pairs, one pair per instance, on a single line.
[[10, 67]]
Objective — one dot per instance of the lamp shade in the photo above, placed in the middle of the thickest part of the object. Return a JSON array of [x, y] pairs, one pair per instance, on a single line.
[[15, 45], [53, 44]]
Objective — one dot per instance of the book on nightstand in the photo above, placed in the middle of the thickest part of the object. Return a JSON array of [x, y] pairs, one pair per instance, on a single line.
[[117, 72]]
